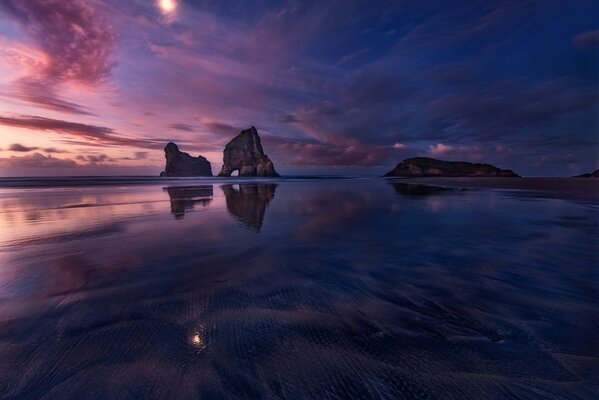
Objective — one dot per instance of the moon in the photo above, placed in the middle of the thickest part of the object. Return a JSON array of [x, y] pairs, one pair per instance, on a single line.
[[167, 6]]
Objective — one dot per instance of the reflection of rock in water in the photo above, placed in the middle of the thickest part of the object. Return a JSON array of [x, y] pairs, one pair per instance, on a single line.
[[184, 198], [412, 189], [248, 204]]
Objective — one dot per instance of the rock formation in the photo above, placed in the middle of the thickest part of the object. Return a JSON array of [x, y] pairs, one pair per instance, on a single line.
[[248, 204], [182, 164], [184, 198], [428, 167], [244, 153], [594, 174]]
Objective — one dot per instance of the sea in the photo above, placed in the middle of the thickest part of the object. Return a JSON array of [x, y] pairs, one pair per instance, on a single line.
[[299, 288]]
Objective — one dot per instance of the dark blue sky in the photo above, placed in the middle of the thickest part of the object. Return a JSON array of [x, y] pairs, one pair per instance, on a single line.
[[333, 86]]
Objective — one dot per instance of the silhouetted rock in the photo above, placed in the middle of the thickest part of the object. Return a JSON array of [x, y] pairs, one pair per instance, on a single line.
[[424, 166], [182, 164], [244, 153], [594, 174], [248, 204], [184, 198]]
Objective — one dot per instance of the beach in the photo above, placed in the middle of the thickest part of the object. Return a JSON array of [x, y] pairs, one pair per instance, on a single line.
[[299, 288]]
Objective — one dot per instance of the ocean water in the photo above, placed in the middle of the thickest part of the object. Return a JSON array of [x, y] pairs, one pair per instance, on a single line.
[[302, 288]]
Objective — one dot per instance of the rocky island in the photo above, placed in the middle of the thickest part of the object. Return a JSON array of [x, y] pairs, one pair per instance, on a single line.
[[244, 154], [430, 167], [180, 164]]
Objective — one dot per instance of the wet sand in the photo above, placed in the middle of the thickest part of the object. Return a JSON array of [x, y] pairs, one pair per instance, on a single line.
[[294, 289]]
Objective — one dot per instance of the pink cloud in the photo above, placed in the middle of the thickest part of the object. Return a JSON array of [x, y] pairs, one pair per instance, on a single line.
[[83, 133], [466, 153], [76, 44], [36, 164], [37, 161]]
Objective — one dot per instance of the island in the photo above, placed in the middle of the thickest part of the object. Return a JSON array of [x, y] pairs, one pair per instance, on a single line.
[[430, 167], [244, 154], [180, 164]]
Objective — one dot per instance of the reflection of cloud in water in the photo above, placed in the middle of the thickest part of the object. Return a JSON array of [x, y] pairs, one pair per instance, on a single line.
[[184, 198], [248, 203], [330, 210]]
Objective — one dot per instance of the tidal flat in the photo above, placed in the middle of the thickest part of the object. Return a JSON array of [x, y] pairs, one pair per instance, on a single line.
[[301, 288]]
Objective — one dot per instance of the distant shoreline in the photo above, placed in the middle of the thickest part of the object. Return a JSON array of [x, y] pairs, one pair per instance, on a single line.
[[531, 183]]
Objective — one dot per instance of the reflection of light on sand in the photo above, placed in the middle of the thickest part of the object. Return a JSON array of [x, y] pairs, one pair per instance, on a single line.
[[197, 339]]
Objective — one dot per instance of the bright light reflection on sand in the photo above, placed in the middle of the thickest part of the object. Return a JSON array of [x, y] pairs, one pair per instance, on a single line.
[[197, 338]]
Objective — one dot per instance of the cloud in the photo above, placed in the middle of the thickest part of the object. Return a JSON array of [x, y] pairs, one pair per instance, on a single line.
[[182, 127], [286, 118], [77, 41], [220, 128], [587, 39], [36, 160], [44, 95], [473, 153], [506, 109], [92, 134], [465, 153], [399, 146], [138, 155], [95, 158], [20, 148], [78, 45], [36, 164], [323, 154], [54, 150]]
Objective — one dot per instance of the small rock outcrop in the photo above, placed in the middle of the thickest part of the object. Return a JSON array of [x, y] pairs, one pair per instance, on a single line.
[[594, 174], [429, 167], [181, 164], [244, 154]]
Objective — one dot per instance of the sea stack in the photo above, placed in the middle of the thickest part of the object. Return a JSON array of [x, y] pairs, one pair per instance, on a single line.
[[429, 167], [244, 154], [179, 164]]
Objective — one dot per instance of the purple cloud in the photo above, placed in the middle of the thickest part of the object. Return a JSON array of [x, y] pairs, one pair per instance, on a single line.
[[78, 45], [91, 134], [587, 39], [182, 127], [20, 148], [76, 39], [37, 161]]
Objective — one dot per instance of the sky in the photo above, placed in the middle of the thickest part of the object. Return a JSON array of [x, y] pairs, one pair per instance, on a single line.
[[98, 87]]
